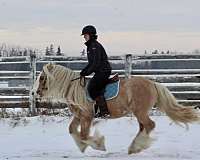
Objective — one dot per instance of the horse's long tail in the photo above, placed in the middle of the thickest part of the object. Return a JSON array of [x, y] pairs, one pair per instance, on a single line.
[[178, 113]]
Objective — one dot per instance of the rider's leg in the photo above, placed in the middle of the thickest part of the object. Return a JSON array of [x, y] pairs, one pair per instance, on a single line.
[[102, 105], [96, 89]]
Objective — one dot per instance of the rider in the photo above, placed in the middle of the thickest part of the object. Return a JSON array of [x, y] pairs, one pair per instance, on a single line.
[[97, 63]]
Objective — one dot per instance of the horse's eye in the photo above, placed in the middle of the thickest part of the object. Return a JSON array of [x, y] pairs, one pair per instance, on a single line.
[[42, 78]]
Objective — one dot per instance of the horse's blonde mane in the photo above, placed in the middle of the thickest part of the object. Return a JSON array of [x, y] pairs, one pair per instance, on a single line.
[[61, 88]]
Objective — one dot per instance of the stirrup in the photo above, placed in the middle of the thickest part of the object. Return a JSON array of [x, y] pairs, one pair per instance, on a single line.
[[100, 115], [97, 112]]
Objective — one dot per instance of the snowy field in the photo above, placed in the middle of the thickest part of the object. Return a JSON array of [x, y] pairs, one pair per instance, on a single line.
[[47, 138]]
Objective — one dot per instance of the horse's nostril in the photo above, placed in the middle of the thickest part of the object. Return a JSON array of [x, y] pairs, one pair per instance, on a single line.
[[38, 91]]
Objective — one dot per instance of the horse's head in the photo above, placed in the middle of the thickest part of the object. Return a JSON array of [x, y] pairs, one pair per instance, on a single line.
[[42, 80], [54, 81]]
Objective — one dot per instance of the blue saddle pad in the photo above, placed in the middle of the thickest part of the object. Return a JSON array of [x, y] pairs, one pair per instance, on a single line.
[[111, 91]]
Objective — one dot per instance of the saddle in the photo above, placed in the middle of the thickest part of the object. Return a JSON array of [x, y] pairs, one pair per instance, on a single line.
[[113, 79], [111, 91]]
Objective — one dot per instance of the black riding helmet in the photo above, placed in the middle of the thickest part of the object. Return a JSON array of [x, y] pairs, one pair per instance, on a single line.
[[91, 30]]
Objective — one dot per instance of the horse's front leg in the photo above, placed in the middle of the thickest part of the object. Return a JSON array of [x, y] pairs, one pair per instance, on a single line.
[[96, 141], [73, 130]]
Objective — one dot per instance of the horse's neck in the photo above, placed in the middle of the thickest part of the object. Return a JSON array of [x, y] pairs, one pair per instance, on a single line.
[[75, 92]]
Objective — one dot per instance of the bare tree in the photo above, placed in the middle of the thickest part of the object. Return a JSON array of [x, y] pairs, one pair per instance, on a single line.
[[196, 51], [8, 50]]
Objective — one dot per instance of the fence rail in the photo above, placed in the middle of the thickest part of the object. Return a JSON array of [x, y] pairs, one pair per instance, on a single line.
[[180, 73]]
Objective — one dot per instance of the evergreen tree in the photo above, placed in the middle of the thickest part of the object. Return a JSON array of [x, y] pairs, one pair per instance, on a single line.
[[47, 52], [58, 53]]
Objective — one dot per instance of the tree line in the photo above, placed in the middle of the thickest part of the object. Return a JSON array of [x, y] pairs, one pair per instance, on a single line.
[[10, 51], [13, 51], [49, 51]]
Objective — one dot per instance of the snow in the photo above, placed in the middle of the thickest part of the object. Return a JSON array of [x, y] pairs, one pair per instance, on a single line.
[[3, 84], [167, 75], [11, 97], [187, 92], [14, 72], [166, 59], [16, 62], [47, 138], [15, 77], [185, 84], [166, 70]]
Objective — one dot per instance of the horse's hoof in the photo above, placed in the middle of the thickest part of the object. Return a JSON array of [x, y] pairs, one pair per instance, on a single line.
[[104, 149], [102, 140], [83, 147], [101, 149], [131, 151], [101, 145]]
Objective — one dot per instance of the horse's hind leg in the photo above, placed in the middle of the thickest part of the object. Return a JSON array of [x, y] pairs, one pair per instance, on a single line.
[[73, 130], [142, 140]]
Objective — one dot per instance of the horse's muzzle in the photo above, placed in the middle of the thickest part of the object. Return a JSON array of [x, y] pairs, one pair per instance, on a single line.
[[39, 92]]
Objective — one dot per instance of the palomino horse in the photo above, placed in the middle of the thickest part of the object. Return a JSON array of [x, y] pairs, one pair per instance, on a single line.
[[136, 96]]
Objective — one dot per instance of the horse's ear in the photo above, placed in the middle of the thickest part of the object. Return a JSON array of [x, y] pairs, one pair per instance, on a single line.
[[50, 67]]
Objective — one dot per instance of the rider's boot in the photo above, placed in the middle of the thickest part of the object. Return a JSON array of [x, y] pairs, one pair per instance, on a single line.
[[101, 109]]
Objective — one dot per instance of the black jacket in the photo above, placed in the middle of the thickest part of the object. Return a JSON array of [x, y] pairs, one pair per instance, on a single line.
[[97, 59]]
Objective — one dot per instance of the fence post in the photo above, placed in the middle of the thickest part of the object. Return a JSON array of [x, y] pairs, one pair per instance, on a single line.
[[128, 65], [32, 99]]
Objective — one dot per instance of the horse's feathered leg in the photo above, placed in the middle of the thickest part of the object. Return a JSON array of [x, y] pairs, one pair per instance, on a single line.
[[85, 123], [73, 130], [141, 141], [96, 141]]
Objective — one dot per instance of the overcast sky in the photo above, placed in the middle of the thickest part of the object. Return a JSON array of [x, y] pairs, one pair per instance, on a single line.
[[124, 26]]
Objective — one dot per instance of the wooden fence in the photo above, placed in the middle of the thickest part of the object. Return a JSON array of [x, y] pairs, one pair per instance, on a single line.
[[180, 73]]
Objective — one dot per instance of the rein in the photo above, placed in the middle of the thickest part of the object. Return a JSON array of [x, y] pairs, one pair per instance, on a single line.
[[82, 80], [75, 79]]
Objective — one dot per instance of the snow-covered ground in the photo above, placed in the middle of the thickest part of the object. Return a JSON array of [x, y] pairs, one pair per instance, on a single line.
[[47, 138]]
